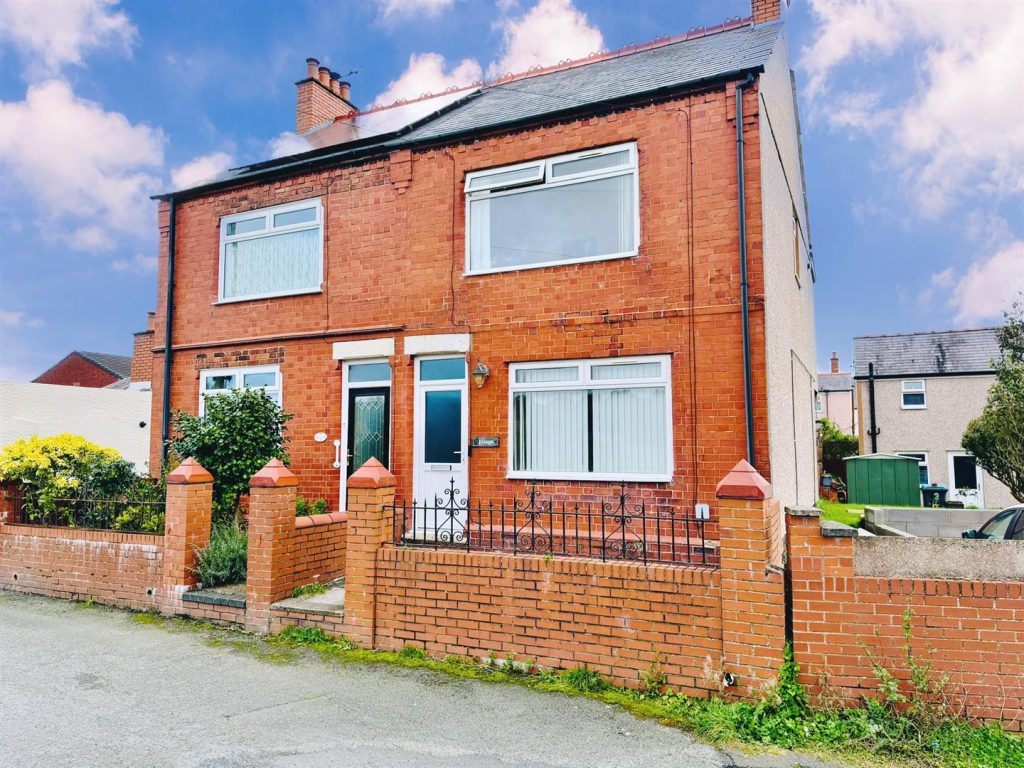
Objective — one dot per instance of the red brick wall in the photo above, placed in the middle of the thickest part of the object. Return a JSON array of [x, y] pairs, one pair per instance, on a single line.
[[394, 255], [616, 618], [319, 548], [972, 631], [74, 370], [122, 569]]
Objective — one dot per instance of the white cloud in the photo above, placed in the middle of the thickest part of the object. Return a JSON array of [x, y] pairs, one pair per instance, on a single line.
[[91, 238], [959, 133], [549, 32], [427, 73], [11, 319], [49, 35], [140, 265], [203, 168], [76, 161], [392, 10], [287, 143], [990, 286]]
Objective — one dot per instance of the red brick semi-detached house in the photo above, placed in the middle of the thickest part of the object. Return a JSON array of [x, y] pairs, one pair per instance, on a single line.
[[538, 278]]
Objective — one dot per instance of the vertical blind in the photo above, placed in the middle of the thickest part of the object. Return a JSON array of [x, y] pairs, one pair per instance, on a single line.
[[585, 428]]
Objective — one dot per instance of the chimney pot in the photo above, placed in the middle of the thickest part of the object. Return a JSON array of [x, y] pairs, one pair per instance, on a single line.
[[335, 79], [311, 67], [344, 90], [325, 76], [835, 363]]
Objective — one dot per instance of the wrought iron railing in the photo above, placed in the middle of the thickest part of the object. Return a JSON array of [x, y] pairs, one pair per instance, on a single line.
[[120, 514], [619, 529]]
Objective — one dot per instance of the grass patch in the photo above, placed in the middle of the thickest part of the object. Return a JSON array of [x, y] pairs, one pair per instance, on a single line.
[[847, 514], [316, 588]]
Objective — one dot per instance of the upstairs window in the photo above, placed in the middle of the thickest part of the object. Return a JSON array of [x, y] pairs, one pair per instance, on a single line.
[[563, 210], [607, 419], [913, 395], [219, 381], [272, 252]]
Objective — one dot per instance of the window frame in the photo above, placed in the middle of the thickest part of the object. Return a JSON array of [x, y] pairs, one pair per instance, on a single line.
[[269, 230], [545, 181], [585, 381], [922, 462], [904, 391], [240, 372]]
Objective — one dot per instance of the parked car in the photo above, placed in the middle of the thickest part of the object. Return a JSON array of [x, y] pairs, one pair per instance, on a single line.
[[1008, 524]]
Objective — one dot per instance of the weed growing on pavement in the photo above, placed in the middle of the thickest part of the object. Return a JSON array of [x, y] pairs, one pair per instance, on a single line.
[[316, 588]]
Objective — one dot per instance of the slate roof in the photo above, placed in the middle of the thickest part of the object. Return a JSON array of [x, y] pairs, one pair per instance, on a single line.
[[118, 365], [923, 354], [739, 48], [835, 382]]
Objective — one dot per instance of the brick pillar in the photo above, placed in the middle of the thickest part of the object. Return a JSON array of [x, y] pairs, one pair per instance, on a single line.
[[272, 493], [186, 528], [753, 597], [764, 11], [371, 494]]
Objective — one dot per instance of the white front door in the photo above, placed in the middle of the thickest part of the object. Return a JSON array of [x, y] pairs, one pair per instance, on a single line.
[[965, 480], [440, 450]]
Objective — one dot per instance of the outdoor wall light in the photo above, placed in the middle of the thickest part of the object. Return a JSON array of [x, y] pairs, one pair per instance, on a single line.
[[480, 374]]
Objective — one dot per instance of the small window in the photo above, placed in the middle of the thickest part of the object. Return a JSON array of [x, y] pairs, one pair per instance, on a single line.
[[272, 252], [563, 210], [913, 394], [217, 382], [819, 404], [359, 373], [591, 420], [443, 369], [922, 464]]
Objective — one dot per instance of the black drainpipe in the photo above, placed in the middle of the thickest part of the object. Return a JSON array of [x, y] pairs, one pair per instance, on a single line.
[[873, 430], [165, 428], [744, 288]]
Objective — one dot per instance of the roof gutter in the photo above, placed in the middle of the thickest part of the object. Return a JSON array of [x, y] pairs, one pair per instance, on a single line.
[[383, 145], [165, 408], [748, 401]]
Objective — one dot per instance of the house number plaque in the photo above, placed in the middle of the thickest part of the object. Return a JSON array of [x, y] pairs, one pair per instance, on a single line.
[[486, 442]]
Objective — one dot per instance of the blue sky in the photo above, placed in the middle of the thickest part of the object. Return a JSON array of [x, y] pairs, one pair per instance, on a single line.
[[913, 137]]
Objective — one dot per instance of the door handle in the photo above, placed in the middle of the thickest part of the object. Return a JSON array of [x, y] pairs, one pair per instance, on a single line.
[[337, 454]]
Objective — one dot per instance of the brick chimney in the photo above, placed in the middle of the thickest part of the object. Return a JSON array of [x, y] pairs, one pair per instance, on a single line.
[[835, 363], [320, 97], [764, 11], [142, 352]]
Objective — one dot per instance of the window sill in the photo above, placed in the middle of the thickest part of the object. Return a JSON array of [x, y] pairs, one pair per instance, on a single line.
[[914, 407], [589, 477], [262, 296], [550, 264]]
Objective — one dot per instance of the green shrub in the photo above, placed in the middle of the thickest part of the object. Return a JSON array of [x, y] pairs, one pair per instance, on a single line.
[[67, 477], [585, 680], [224, 559], [304, 507], [239, 433]]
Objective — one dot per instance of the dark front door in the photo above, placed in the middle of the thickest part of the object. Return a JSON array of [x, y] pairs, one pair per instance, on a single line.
[[369, 426]]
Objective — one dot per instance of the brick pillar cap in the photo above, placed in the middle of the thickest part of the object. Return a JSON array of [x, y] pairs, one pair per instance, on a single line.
[[743, 482], [188, 472], [273, 475], [372, 474]]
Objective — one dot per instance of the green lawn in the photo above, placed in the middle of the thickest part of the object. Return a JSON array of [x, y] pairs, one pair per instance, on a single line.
[[848, 514]]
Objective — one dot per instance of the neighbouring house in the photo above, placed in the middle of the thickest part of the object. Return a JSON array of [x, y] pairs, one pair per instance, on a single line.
[[835, 400], [594, 273], [87, 369], [917, 392]]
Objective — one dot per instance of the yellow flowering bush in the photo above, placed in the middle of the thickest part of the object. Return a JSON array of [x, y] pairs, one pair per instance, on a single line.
[[57, 472]]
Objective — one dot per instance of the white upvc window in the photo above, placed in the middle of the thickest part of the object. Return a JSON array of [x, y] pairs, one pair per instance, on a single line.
[[598, 419], [912, 395], [276, 251], [922, 464], [563, 210], [217, 381]]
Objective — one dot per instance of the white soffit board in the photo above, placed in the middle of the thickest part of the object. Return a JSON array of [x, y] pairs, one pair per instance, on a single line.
[[360, 350], [437, 344]]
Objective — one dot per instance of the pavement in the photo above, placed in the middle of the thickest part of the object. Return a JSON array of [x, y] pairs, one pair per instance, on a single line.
[[91, 686]]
